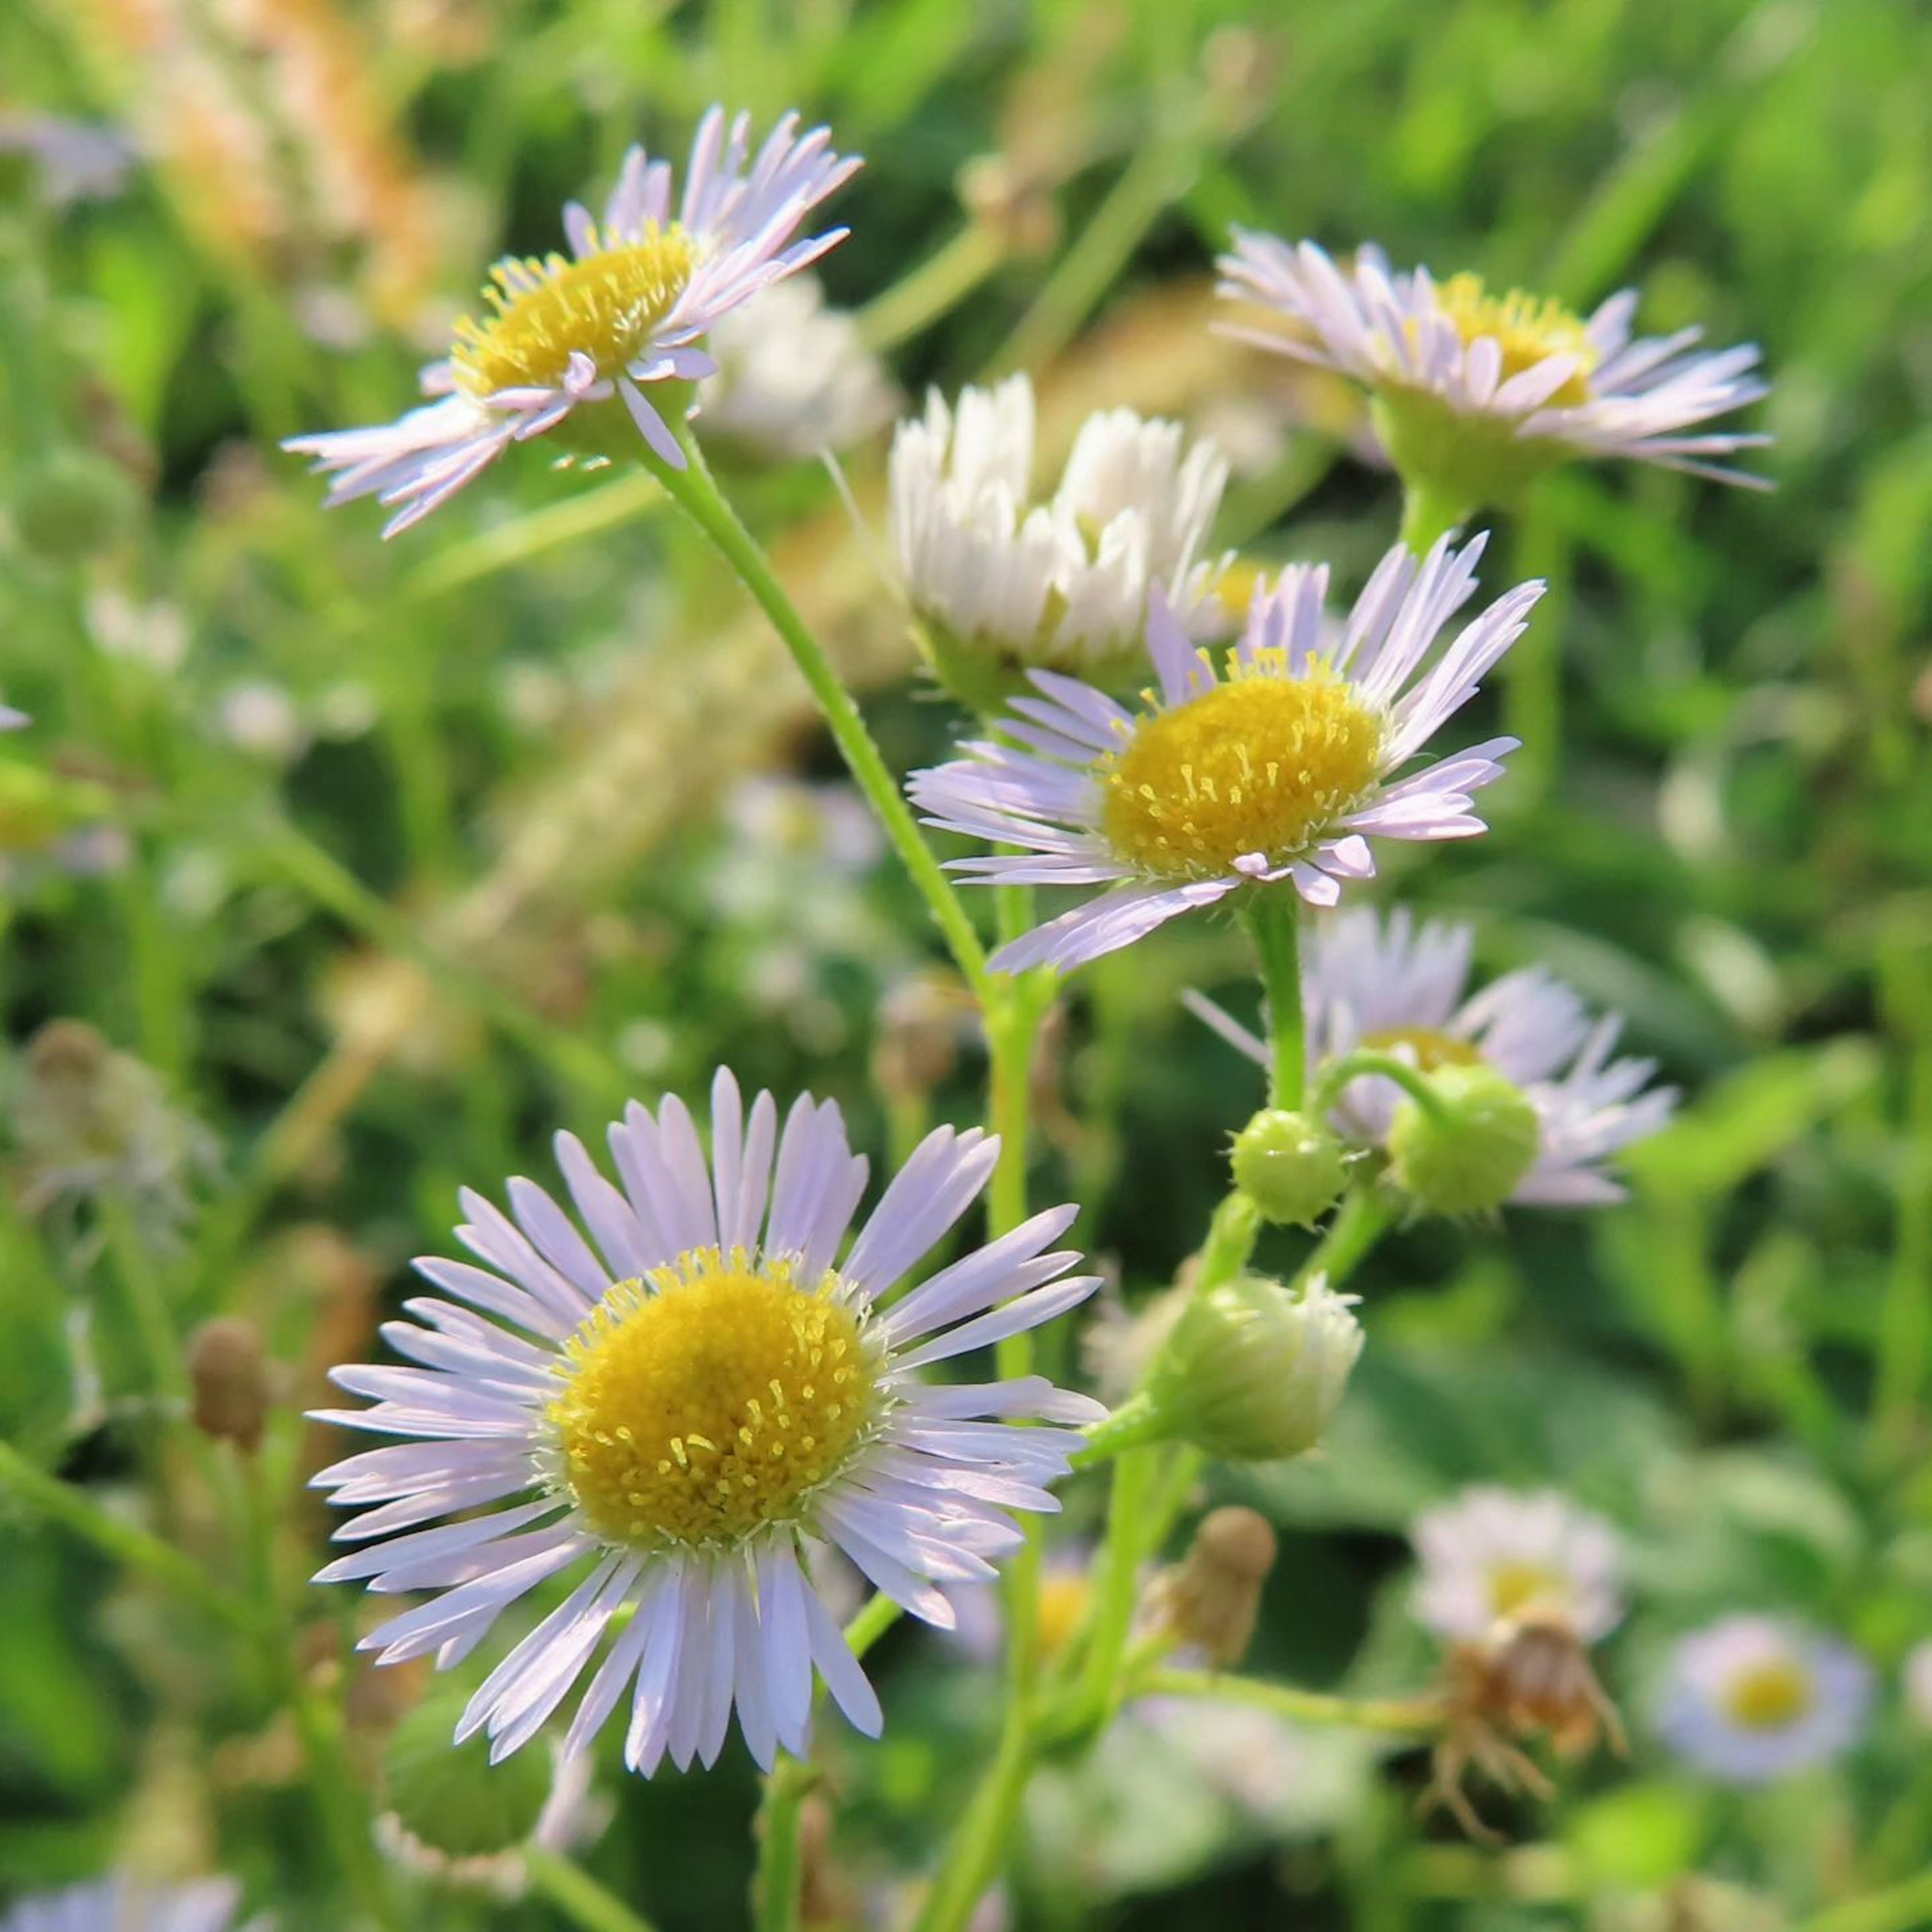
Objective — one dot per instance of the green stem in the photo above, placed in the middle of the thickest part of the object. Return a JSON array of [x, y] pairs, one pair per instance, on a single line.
[[1367, 1213], [1427, 514], [1416, 1717], [1231, 1236], [578, 1895], [974, 1857], [1272, 918], [152, 1318], [775, 1894], [1905, 1318], [695, 493], [935, 287], [1365, 1061], [1119, 1574], [871, 1623], [1902, 1908]]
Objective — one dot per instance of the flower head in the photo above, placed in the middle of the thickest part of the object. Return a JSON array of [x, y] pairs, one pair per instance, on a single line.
[[11, 720], [119, 1904], [1750, 1699], [1492, 1554], [670, 1413], [1004, 583], [622, 316], [1475, 392], [1275, 765]]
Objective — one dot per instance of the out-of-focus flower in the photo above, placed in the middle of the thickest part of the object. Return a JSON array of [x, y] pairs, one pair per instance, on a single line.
[[1475, 393], [794, 377], [121, 1904], [1490, 1554], [1003, 584], [1380, 982], [79, 160], [622, 316], [1751, 1699], [673, 1415], [51, 823], [11, 720], [264, 721], [1918, 1685], [154, 635], [1273, 769]]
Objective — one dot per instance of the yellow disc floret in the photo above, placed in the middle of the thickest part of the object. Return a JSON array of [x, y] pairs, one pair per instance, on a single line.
[[1430, 1047], [1527, 328], [604, 306], [1769, 1696], [1516, 1586], [712, 1400], [1264, 763]]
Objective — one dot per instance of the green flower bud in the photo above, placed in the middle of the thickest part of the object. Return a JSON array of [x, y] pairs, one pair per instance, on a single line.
[[1253, 1372], [449, 1796], [1291, 1166], [1469, 1152], [72, 505]]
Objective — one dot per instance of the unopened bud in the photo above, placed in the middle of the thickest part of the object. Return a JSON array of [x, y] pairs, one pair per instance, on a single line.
[[1253, 1372], [1210, 1601], [229, 1377], [72, 505], [449, 1797], [1291, 1167], [1469, 1152]]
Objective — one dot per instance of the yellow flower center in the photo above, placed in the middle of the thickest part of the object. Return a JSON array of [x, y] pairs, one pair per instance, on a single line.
[[1431, 1048], [1770, 1696], [604, 306], [1263, 763], [1527, 328], [712, 1400], [1515, 1586], [1064, 1599]]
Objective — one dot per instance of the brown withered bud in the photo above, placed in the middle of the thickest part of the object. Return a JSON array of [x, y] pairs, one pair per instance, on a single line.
[[1011, 201], [228, 1375], [1210, 1601]]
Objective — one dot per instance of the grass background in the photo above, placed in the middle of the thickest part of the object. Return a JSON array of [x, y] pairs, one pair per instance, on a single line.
[[514, 853]]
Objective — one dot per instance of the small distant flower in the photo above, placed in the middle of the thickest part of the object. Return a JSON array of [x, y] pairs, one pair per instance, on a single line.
[[622, 315], [1274, 767], [1385, 983], [1492, 1554], [672, 1413], [1750, 1699], [79, 161], [1918, 1685], [123, 1904], [794, 377], [1005, 583], [1476, 392], [11, 720]]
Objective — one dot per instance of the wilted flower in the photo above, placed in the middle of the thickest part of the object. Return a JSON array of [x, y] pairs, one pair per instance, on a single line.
[[1210, 1601], [1273, 769], [622, 316], [1004, 584], [1491, 1554], [1750, 1699], [121, 1904], [679, 1411]]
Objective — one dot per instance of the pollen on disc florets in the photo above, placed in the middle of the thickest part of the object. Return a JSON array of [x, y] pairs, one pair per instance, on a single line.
[[712, 1400], [1263, 762], [1527, 328], [603, 306], [1770, 1696], [1517, 1587], [1431, 1047]]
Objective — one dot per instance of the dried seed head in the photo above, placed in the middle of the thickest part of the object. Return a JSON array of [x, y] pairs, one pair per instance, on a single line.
[[1210, 1601], [228, 1375]]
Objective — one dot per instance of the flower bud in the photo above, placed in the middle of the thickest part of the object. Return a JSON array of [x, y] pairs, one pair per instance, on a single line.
[[1291, 1167], [1470, 1152], [229, 1378], [1253, 1372], [73, 504], [449, 1798], [1210, 1601]]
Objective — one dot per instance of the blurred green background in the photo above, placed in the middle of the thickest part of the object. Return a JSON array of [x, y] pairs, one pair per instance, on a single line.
[[389, 860]]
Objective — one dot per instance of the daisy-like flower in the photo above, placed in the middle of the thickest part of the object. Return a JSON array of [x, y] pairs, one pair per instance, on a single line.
[[1386, 984], [1491, 1555], [619, 319], [119, 1904], [1004, 584], [1275, 765], [1750, 1699], [669, 1413], [11, 720], [1475, 392]]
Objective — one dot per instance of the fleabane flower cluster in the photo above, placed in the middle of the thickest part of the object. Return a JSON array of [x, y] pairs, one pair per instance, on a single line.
[[622, 320], [671, 1408], [1004, 584], [1475, 392], [1273, 763]]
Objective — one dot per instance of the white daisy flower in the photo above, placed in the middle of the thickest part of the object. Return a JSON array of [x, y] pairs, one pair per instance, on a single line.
[[1447, 359], [1750, 1699], [1276, 765], [669, 1413], [1005, 582], [794, 377], [1490, 1555], [1385, 984], [624, 313], [119, 1904]]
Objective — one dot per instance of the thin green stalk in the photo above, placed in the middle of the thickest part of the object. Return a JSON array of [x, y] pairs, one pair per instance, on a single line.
[[153, 1319], [696, 494], [974, 1857], [1118, 1576], [1272, 918], [1901, 1908], [871, 1623], [1404, 1716], [776, 1893], [578, 1896], [511, 544], [1366, 1060], [1427, 514], [1905, 1318], [1367, 1213], [933, 288]]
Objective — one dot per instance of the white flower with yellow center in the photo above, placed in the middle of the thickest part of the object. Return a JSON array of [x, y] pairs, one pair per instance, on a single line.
[[1273, 763], [1384, 984], [1478, 390], [1004, 582], [672, 1412], [1490, 1555], [620, 320], [1750, 1699], [120, 1903]]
